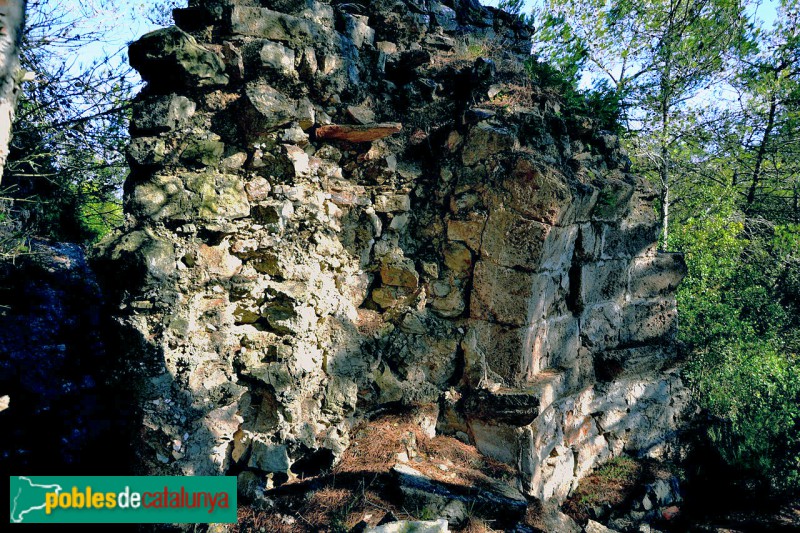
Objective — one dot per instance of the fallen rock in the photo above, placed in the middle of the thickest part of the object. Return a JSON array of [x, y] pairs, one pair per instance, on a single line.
[[406, 526], [495, 500], [358, 133], [596, 527], [362, 115], [670, 512]]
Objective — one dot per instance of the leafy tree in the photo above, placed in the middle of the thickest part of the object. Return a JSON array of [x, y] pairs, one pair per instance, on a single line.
[[657, 55], [66, 163], [739, 318], [769, 85]]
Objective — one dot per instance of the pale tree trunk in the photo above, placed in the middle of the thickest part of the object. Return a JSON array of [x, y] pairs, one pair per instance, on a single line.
[[665, 198], [12, 20]]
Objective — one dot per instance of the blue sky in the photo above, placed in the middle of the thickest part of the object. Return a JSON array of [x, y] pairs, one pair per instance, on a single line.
[[765, 11], [123, 21]]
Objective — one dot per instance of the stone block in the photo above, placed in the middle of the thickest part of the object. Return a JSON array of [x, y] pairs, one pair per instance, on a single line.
[[169, 56], [657, 275], [613, 200], [361, 114], [217, 196], [358, 30], [161, 114], [278, 59], [273, 25], [484, 141], [392, 203], [515, 241], [469, 232], [399, 271], [148, 152], [268, 457], [203, 151], [498, 441], [458, 258], [604, 281], [218, 261], [515, 407], [589, 244], [559, 249], [611, 364], [539, 193], [496, 352], [560, 343], [500, 294], [266, 109], [448, 299], [648, 321], [162, 197], [625, 240], [600, 324]]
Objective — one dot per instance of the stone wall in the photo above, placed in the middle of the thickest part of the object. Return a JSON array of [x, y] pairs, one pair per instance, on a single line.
[[339, 208]]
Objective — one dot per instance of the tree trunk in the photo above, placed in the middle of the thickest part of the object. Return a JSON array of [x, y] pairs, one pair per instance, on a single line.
[[665, 198], [12, 21], [762, 150]]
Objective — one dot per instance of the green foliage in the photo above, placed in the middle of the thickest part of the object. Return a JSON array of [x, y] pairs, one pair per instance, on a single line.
[[608, 483], [66, 164], [600, 103], [512, 6], [740, 322], [621, 469]]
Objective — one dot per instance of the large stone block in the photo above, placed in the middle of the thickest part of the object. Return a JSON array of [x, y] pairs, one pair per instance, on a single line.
[[611, 364], [589, 244], [613, 201], [508, 296], [626, 240], [513, 241], [600, 325], [268, 108], [500, 294], [217, 196], [162, 197], [469, 232], [539, 193], [516, 407], [398, 271], [272, 25], [161, 114], [561, 343], [498, 441], [268, 457], [494, 352], [656, 275], [170, 56], [604, 281], [278, 59], [649, 320]]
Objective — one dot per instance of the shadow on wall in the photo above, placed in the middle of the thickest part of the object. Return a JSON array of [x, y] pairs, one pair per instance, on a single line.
[[69, 405]]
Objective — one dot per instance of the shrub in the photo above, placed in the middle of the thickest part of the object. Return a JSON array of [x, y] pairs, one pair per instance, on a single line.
[[740, 325]]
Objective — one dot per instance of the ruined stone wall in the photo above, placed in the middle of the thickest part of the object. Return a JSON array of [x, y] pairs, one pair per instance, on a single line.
[[336, 208]]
